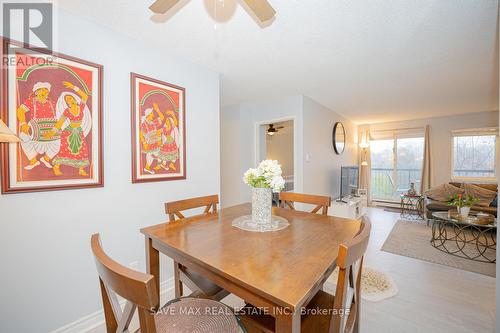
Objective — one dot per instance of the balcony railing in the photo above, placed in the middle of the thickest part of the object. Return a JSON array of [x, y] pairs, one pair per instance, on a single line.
[[386, 187]]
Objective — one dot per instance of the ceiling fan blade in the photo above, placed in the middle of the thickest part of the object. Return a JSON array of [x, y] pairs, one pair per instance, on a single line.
[[262, 9], [162, 6]]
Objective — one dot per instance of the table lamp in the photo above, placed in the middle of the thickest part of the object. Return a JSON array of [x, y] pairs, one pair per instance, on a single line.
[[6, 134]]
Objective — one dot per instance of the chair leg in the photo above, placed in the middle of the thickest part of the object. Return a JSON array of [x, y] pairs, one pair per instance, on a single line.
[[177, 281], [358, 315], [356, 325]]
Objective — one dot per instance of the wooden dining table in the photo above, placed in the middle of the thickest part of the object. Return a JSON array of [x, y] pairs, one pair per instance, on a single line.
[[280, 271]]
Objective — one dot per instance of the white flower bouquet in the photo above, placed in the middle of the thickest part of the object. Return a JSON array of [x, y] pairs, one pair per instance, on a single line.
[[266, 175], [264, 180]]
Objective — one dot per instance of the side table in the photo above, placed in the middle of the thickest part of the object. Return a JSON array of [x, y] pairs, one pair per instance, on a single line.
[[412, 207]]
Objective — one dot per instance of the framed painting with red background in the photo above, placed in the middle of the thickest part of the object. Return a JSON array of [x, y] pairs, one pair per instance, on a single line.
[[54, 104], [158, 130]]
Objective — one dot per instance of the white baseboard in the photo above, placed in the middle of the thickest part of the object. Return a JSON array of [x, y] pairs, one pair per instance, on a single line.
[[96, 319]]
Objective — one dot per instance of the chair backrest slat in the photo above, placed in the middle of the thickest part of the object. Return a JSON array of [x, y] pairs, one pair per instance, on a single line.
[[321, 202], [350, 263], [137, 288], [354, 249], [126, 317], [174, 208]]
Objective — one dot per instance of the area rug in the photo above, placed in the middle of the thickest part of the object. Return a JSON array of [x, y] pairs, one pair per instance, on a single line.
[[412, 239], [375, 285]]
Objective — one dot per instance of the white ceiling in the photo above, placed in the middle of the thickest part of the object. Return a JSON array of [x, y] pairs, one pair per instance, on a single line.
[[369, 60]]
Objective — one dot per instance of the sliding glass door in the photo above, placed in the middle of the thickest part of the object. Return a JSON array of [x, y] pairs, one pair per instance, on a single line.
[[382, 157], [395, 164]]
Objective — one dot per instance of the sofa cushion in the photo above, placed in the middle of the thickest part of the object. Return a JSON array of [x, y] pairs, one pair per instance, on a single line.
[[490, 210], [488, 186], [437, 206], [443, 192], [484, 195]]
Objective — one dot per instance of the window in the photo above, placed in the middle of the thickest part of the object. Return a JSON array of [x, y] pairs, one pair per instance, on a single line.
[[396, 162], [474, 154]]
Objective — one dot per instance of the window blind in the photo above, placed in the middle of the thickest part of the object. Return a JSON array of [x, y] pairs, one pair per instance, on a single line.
[[475, 131], [404, 133]]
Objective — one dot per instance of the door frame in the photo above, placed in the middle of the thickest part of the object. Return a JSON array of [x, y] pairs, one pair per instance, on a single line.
[[257, 150], [394, 170]]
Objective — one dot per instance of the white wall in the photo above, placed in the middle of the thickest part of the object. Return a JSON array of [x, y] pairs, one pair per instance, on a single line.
[[440, 136], [322, 169], [313, 125], [48, 275], [241, 141], [287, 108], [231, 134]]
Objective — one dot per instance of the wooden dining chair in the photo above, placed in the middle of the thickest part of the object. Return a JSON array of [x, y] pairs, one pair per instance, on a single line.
[[174, 208], [322, 202], [339, 313], [139, 290], [184, 275]]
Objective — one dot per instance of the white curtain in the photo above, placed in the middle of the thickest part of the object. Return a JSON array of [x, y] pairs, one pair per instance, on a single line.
[[425, 182]]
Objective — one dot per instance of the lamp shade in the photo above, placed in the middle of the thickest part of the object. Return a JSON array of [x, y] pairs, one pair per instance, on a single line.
[[6, 134], [365, 141]]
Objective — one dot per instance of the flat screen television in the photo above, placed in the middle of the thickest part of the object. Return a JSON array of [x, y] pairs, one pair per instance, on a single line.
[[349, 176]]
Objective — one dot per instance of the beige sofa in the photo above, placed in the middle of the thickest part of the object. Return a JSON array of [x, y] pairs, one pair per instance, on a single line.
[[439, 206]]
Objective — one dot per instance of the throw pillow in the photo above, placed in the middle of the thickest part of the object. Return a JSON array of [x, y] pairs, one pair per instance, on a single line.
[[485, 196], [443, 192], [494, 203]]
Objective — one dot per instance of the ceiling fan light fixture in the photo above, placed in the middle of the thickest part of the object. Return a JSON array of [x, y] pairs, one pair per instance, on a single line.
[[162, 6], [271, 130], [261, 9]]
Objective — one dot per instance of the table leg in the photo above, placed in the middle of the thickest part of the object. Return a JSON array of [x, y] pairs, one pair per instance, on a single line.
[[288, 323], [153, 265], [177, 281]]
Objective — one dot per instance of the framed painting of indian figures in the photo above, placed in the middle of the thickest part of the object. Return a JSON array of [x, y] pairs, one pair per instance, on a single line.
[[53, 102], [158, 130]]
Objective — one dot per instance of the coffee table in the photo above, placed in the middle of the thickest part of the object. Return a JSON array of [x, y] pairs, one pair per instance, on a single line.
[[463, 238]]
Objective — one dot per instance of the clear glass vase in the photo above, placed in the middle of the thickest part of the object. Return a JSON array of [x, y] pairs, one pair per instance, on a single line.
[[262, 199], [261, 219]]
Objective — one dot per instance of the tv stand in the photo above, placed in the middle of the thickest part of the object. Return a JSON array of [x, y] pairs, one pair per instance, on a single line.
[[349, 207]]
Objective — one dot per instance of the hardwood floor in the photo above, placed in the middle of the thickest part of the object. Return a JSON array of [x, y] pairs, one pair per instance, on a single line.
[[432, 298]]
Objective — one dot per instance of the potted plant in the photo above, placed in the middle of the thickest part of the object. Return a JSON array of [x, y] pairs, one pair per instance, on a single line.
[[463, 202], [264, 180]]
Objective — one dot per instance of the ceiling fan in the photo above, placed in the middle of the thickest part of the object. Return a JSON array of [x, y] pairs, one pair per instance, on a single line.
[[261, 8], [273, 130]]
